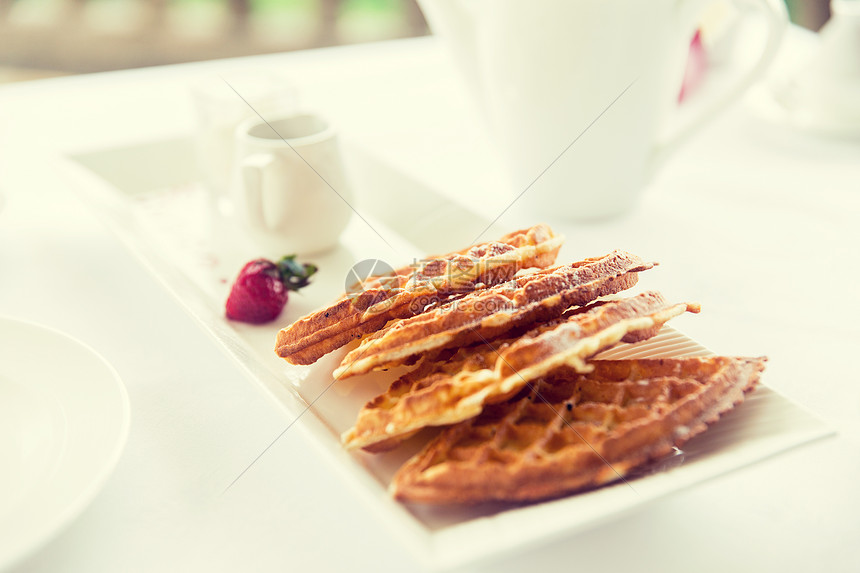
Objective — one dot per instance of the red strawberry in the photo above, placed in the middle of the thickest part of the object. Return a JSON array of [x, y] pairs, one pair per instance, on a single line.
[[261, 290]]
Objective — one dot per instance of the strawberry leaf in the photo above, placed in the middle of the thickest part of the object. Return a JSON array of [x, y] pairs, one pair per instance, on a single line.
[[295, 275]]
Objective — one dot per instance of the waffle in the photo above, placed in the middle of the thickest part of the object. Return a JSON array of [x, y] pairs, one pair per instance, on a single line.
[[409, 290], [574, 431], [526, 300], [448, 389]]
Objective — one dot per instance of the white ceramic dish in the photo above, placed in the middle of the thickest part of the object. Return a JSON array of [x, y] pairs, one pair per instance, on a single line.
[[64, 418], [149, 196]]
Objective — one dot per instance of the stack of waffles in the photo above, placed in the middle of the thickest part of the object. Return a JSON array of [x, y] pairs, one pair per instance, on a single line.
[[501, 343]]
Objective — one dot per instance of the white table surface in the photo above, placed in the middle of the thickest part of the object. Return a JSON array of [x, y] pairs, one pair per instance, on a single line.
[[756, 221]]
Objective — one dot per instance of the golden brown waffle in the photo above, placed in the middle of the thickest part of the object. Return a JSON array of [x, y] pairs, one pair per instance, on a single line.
[[412, 289], [448, 389], [575, 431], [528, 299]]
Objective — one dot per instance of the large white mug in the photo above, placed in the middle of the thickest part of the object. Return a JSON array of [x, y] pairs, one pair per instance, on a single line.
[[578, 93], [290, 191]]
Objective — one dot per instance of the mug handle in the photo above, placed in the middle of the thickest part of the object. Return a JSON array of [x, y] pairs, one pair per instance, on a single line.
[[776, 17], [253, 170]]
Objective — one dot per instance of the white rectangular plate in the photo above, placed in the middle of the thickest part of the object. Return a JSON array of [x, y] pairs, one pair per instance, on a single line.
[[150, 197]]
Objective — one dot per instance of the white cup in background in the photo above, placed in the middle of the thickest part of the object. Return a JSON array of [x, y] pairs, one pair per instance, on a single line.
[[578, 94], [290, 190], [221, 102]]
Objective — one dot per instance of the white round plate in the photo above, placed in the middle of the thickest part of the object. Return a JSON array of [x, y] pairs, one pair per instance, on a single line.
[[64, 418]]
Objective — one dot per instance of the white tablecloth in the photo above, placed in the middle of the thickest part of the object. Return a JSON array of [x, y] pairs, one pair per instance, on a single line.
[[756, 221]]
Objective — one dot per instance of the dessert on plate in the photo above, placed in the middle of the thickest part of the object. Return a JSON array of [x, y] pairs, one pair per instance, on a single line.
[[502, 345]]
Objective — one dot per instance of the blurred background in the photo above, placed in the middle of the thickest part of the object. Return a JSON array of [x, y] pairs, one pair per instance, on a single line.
[[44, 38]]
